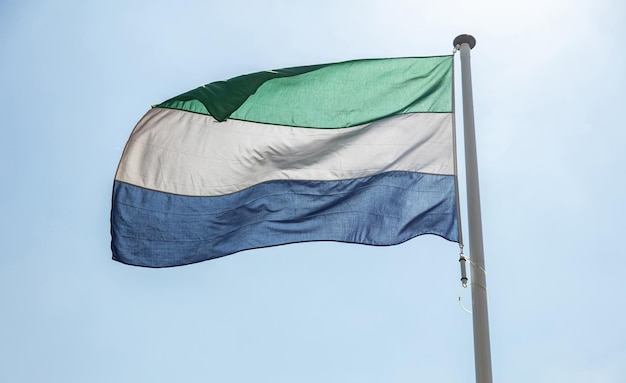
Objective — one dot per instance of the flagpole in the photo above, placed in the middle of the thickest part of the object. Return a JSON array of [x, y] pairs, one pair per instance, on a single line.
[[482, 348]]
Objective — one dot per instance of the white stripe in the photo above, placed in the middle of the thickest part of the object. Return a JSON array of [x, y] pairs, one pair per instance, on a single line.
[[191, 154]]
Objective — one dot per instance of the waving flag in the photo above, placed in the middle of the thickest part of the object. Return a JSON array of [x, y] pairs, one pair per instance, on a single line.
[[358, 151]]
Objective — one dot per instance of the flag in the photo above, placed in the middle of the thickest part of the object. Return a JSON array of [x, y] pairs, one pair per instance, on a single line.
[[359, 151]]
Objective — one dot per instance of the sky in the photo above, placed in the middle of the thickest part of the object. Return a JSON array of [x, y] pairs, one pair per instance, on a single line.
[[76, 76]]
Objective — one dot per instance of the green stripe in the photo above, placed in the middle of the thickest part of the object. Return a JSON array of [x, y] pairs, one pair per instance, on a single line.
[[328, 96], [221, 98]]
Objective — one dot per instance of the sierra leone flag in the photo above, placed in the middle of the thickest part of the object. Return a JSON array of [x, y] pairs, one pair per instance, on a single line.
[[358, 151]]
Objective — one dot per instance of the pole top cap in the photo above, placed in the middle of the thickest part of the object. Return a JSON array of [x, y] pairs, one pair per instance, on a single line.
[[461, 39]]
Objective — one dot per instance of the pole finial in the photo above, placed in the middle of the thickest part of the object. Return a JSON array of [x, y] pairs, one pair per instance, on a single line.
[[460, 39]]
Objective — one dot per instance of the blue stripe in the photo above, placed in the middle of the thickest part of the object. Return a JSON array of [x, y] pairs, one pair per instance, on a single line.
[[155, 229]]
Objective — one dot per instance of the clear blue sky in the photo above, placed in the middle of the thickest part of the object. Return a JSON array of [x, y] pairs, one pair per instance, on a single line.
[[77, 75]]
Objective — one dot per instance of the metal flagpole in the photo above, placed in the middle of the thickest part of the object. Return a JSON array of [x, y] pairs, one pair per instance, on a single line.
[[482, 348]]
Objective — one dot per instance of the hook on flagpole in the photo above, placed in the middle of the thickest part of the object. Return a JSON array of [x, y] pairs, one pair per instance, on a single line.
[[462, 260]]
